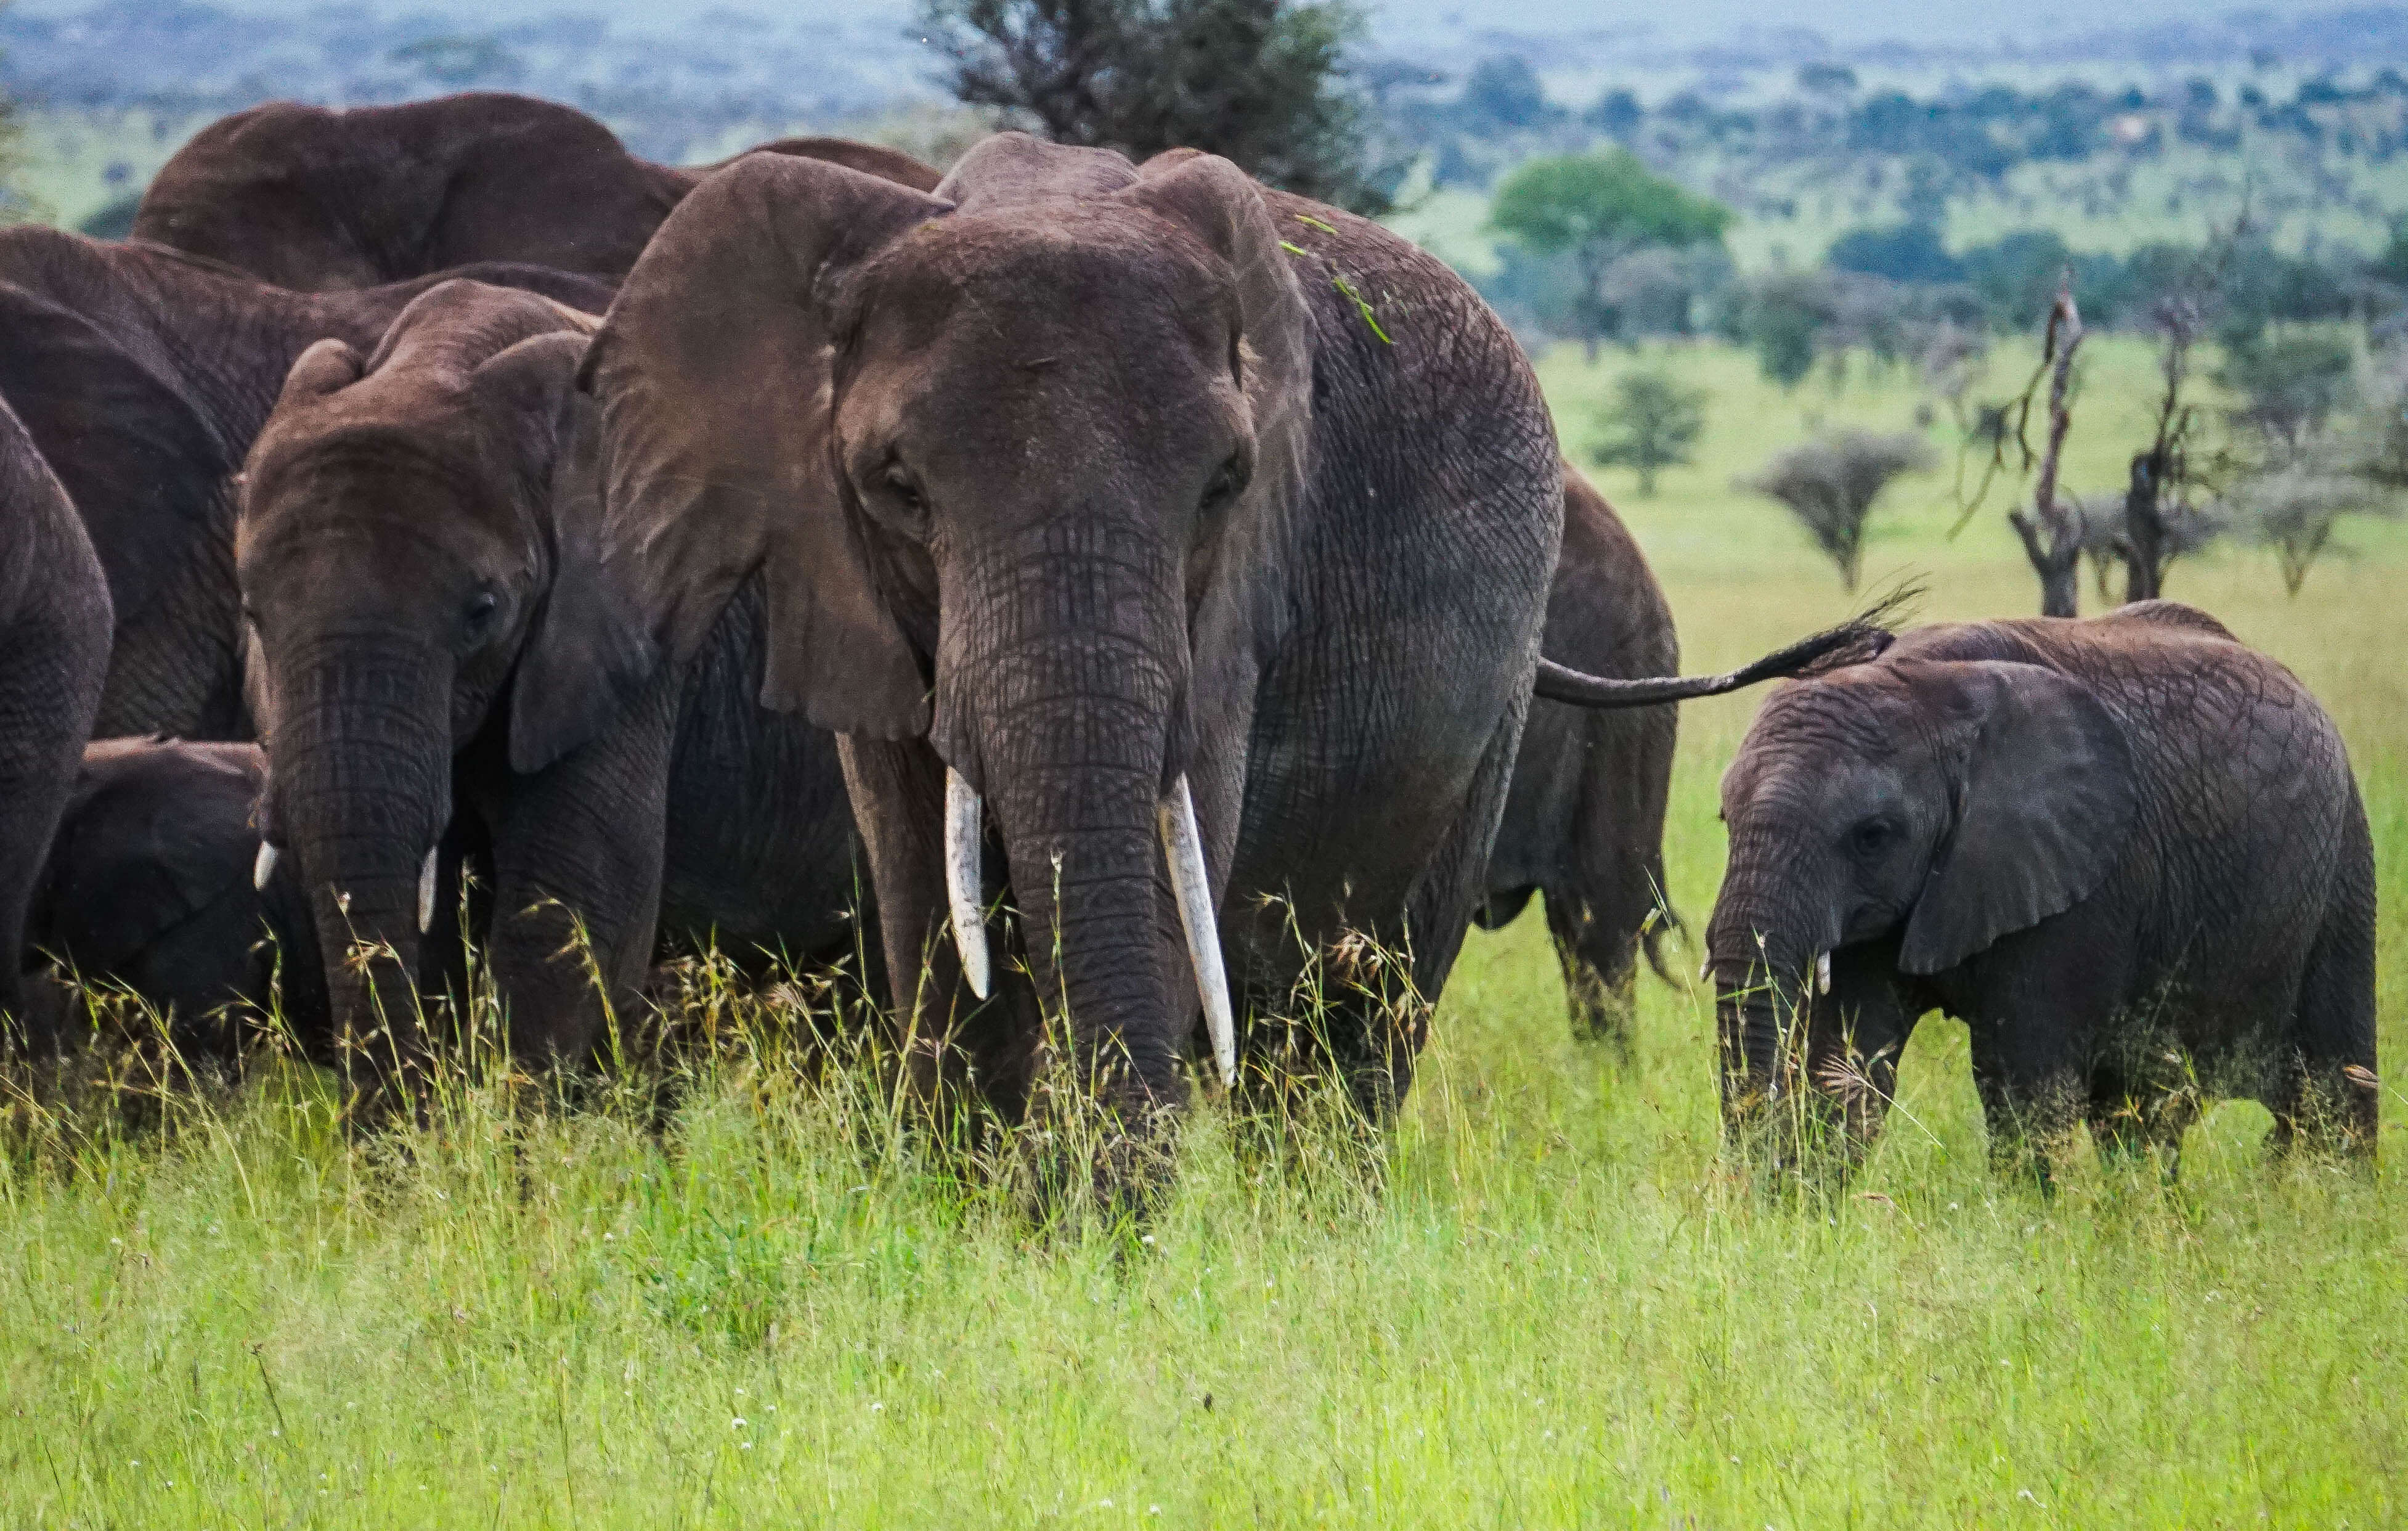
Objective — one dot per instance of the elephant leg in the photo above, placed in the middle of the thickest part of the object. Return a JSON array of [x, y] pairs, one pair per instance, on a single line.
[[1597, 953], [2329, 1092], [1854, 1037], [1607, 905], [577, 882], [48, 693], [957, 1048], [2030, 1082]]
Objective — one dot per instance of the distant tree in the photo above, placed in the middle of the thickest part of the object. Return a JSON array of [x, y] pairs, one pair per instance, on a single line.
[[459, 61], [1616, 114], [1910, 253], [1827, 80], [1830, 485], [1782, 316], [1595, 208], [1261, 83], [1650, 424], [2297, 509], [1504, 94], [2290, 386]]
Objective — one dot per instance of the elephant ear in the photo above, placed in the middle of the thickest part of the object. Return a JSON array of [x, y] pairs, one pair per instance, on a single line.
[[713, 372], [2046, 797], [1223, 208], [326, 367], [587, 654]]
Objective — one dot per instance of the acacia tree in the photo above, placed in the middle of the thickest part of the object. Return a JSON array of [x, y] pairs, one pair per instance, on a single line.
[[1650, 424], [1597, 208], [1830, 485], [1260, 82]]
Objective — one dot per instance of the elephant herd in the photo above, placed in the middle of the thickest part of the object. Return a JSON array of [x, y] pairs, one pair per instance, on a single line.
[[1087, 598]]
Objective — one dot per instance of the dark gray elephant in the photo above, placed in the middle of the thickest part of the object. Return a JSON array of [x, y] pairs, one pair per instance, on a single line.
[[149, 889], [2128, 852], [443, 671], [1165, 549], [317, 199], [54, 625], [1584, 818], [141, 376]]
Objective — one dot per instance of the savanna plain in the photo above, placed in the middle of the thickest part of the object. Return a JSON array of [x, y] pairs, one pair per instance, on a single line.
[[733, 1291]]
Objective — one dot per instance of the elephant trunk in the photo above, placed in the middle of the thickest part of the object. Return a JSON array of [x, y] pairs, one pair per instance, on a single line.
[[1765, 947], [1061, 708], [360, 755]]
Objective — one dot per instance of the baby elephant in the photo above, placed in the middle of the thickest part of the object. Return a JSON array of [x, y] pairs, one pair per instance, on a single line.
[[2128, 852], [149, 888]]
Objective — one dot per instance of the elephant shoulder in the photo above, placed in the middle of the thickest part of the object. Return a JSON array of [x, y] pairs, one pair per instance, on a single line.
[[155, 833]]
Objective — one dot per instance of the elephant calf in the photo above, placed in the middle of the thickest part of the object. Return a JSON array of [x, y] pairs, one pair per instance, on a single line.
[[149, 888], [2128, 852]]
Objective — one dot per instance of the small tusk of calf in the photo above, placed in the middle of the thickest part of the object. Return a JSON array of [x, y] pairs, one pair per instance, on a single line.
[[262, 867], [426, 892], [1706, 968], [1823, 974], [965, 834]]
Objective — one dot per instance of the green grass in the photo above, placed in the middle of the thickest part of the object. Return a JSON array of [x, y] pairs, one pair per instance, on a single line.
[[1562, 1308]]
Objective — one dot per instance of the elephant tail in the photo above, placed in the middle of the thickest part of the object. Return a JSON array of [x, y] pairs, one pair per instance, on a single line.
[[1859, 639]]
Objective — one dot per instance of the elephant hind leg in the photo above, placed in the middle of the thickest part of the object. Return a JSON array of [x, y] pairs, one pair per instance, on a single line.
[[1600, 956], [2329, 1092]]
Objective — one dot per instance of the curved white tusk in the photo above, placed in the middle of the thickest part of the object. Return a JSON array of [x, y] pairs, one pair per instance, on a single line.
[[1182, 846], [264, 866], [965, 831], [1706, 968], [1823, 974], [426, 893]]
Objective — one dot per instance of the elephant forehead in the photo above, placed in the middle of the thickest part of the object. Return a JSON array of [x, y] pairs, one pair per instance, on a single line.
[[1059, 270]]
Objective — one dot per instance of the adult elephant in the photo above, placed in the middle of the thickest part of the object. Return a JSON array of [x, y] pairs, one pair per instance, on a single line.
[[2128, 852], [150, 889], [54, 625], [1147, 534], [141, 376], [318, 200], [1584, 817], [442, 666]]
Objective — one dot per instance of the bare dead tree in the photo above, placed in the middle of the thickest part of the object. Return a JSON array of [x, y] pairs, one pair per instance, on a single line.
[[2052, 533]]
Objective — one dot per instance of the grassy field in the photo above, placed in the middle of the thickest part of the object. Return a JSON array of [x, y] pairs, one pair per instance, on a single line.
[[1561, 1309]]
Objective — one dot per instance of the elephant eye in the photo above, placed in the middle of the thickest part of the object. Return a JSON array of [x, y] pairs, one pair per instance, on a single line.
[[906, 493], [1870, 838], [478, 621], [1228, 481]]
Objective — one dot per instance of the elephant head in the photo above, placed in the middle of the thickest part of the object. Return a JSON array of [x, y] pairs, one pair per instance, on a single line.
[[1938, 805], [410, 544], [1004, 455]]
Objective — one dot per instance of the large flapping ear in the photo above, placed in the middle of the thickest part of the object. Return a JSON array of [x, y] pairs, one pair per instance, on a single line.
[[712, 374], [2046, 799], [589, 654]]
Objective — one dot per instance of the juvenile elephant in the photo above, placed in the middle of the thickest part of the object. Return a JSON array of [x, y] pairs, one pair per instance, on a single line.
[[141, 376], [150, 887], [442, 665], [2128, 852], [317, 199], [1584, 818], [54, 623], [1160, 545]]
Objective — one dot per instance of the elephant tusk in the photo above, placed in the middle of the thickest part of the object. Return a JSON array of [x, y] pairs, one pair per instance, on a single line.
[[1823, 974], [426, 892], [1182, 848], [1706, 968], [264, 866], [964, 882]]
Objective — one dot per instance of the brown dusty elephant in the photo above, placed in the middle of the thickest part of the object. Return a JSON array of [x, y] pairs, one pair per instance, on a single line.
[[55, 626], [141, 376], [1583, 819], [318, 200], [150, 889], [1172, 555], [2128, 852], [441, 665]]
